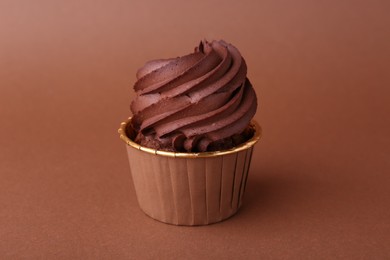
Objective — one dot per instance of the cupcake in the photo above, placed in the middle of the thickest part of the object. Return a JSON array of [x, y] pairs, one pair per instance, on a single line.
[[191, 137]]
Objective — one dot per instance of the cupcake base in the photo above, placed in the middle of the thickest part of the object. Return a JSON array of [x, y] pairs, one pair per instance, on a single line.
[[189, 188]]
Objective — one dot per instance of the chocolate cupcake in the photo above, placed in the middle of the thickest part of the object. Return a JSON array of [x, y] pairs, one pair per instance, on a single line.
[[190, 139]]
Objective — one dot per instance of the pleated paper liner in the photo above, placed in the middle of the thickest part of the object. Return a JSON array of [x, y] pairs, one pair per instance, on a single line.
[[189, 188]]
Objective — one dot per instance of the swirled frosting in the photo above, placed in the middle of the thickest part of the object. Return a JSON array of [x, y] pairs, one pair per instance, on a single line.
[[198, 102]]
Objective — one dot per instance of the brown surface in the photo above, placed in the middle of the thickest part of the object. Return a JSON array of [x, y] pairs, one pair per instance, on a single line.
[[319, 182]]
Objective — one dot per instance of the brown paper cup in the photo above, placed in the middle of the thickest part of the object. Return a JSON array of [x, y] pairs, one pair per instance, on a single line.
[[189, 188]]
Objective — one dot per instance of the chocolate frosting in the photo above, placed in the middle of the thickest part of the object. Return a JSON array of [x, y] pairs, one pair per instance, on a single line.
[[192, 102]]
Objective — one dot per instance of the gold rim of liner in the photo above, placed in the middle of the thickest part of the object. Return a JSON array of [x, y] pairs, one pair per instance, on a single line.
[[248, 144]]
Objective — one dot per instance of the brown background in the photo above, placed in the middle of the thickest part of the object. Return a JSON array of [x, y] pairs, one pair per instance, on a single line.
[[319, 185]]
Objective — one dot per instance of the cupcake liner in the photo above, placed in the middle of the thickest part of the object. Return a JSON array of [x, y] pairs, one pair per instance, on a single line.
[[189, 188]]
